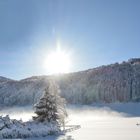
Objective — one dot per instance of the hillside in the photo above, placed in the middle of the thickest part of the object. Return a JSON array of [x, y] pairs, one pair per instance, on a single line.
[[3, 79], [111, 83]]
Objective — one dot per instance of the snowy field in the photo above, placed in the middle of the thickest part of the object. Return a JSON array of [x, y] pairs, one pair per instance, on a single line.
[[98, 122]]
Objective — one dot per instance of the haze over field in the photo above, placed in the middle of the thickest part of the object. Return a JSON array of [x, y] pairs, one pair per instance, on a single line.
[[104, 122]]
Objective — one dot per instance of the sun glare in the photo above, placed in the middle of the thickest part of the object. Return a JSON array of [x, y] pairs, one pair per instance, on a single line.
[[58, 61]]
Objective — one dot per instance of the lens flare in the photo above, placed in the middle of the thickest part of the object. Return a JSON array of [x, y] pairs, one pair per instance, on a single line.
[[58, 61]]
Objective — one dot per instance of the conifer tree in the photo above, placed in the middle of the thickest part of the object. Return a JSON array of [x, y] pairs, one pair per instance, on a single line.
[[51, 107]]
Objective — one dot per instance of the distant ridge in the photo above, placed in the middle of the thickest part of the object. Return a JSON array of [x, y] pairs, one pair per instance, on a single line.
[[4, 79], [118, 82]]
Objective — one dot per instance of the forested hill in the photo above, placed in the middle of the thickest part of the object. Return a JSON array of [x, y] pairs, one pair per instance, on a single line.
[[111, 83]]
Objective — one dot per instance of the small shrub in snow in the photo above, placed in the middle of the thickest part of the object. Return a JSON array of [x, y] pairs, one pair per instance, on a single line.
[[17, 129]]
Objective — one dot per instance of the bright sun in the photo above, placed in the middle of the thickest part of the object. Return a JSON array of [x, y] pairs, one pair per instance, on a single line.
[[58, 62]]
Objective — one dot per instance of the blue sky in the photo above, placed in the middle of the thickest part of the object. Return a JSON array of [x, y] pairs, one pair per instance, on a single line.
[[97, 32]]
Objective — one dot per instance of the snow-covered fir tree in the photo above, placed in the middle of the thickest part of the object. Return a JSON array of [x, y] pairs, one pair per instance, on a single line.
[[51, 107]]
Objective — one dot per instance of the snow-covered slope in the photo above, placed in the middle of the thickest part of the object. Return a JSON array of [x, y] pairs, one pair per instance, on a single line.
[[3, 79], [22, 92], [112, 83]]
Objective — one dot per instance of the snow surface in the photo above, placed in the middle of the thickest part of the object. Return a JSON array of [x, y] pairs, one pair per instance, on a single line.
[[99, 122]]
